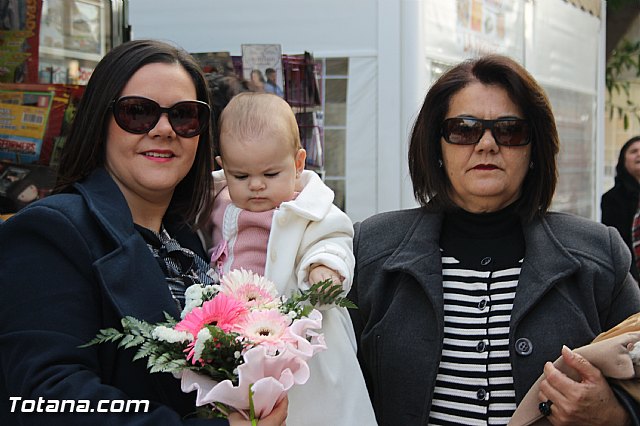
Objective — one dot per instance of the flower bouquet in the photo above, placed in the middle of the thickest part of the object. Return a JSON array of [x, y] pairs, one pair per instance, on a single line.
[[238, 345]]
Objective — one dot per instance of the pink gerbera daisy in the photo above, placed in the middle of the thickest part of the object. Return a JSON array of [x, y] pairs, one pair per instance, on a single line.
[[254, 290], [267, 328], [222, 311]]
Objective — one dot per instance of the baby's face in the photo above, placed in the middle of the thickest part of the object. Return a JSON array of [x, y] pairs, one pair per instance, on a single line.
[[261, 174]]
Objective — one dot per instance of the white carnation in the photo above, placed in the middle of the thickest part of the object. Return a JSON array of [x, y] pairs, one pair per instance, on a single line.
[[170, 335], [203, 336], [193, 292]]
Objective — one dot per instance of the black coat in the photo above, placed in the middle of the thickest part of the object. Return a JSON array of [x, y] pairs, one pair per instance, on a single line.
[[619, 205], [70, 265], [573, 286]]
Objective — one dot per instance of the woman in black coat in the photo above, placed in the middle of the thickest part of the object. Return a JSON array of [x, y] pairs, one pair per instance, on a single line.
[[620, 203], [116, 239], [464, 300]]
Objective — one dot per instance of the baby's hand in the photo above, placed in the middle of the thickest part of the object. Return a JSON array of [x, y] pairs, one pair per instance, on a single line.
[[322, 273]]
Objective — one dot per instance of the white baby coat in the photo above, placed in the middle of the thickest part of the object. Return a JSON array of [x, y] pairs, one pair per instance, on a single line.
[[308, 230]]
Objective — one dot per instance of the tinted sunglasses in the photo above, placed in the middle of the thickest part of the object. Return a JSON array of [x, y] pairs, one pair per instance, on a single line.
[[138, 115], [469, 131]]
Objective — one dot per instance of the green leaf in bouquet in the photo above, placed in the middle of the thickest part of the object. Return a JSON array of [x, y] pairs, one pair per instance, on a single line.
[[217, 373], [105, 335], [165, 363], [130, 341], [137, 327], [146, 349], [325, 293]]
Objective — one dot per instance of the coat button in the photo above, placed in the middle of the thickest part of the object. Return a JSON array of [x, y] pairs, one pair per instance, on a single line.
[[282, 220], [524, 346], [481, 346], [485, 261], [482, 304], [481, 394]]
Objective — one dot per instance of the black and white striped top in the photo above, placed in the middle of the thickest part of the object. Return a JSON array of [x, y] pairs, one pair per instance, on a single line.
[[181, 266], [481, 260]]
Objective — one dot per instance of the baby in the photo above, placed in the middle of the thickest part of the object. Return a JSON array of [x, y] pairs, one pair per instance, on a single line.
[[274, 218]]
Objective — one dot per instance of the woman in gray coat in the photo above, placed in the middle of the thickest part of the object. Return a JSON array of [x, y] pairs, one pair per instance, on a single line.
[[464, 300]]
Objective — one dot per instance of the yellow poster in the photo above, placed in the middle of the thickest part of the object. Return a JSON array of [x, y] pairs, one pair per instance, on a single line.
[[23, 121]]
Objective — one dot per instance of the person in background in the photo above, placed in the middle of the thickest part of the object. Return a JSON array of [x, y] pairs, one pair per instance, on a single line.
[[271, 85], [278, 220], [463, 301], [257, 81], [116, 239], [222, 88], [620, 204]]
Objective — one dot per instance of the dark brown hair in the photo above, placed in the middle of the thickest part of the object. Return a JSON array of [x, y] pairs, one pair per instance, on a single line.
[[84, 149], [431, 186]]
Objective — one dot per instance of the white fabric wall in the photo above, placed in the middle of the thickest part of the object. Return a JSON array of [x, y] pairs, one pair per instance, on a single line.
[[326, 28], [564, 51], [390, 45]]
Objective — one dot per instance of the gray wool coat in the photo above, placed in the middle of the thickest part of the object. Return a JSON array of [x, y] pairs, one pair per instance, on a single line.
[[574, 284]]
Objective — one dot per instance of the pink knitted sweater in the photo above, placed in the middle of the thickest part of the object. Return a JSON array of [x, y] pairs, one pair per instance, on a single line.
[[240, 237]]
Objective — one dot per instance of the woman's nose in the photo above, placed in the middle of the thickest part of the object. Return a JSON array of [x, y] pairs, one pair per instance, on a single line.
[[487, 141], [163, 126]]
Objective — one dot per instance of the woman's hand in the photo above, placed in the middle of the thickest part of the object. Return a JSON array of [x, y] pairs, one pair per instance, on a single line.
[[587, 402], [277, 417]]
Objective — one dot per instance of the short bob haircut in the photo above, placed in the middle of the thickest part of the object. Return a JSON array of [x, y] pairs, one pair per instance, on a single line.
[[431, 186], [85, 148]]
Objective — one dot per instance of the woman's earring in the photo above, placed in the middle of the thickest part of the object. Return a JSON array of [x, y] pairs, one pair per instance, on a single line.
[[440, 163], [531, 165]]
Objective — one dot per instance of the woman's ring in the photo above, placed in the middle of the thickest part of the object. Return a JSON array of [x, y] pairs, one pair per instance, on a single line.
[[545, 407]]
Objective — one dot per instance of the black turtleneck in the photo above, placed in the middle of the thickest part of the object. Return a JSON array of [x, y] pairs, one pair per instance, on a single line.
[[483, 241]]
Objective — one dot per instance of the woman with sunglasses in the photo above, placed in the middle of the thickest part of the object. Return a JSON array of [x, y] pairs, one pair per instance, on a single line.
[[115, 240], [463, 301]]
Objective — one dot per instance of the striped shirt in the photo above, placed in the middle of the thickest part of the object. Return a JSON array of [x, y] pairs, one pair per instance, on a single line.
[[481, 261], [181, 266]]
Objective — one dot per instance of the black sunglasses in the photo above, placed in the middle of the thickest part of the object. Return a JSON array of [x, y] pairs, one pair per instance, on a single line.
[[469, 131], [138, 115]]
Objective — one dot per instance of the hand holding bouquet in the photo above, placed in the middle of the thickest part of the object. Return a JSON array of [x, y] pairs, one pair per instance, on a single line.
[[238, 345]]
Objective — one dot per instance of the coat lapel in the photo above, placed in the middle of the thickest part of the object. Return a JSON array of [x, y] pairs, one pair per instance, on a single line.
[[546, 262], [130, 276], [419, 256]]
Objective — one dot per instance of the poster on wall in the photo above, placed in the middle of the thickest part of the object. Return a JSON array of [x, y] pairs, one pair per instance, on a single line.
[[23, 121], [19, 39], [262, 67], [461, 29], [34, 120]]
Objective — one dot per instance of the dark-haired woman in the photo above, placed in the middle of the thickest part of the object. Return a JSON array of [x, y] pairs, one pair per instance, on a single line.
[[116, 239], [620, 203], [464, 300]]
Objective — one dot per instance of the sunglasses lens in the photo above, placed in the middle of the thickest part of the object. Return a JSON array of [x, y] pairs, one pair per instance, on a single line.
[[136, 115], [189, 118], [511, 133], [139, 115], [461, 131]]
